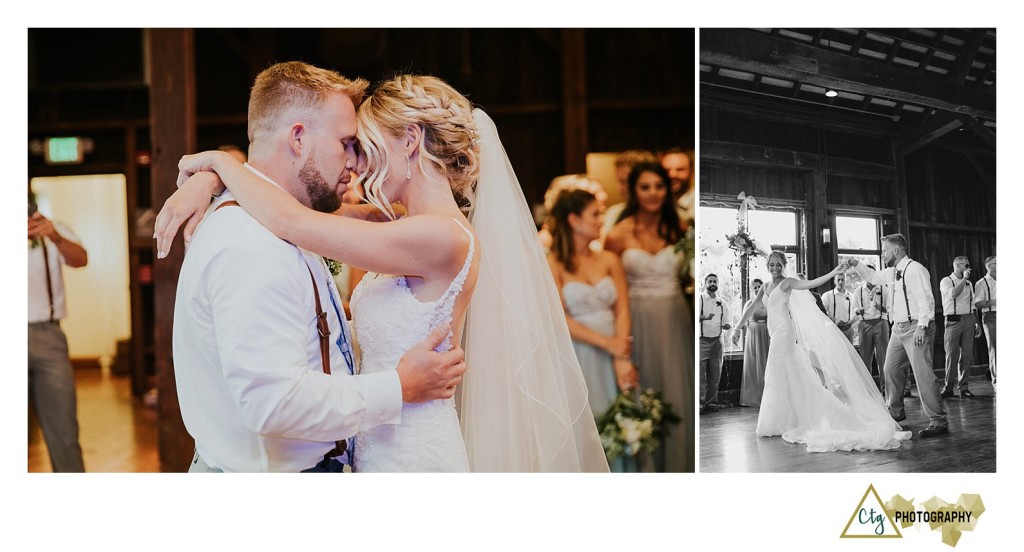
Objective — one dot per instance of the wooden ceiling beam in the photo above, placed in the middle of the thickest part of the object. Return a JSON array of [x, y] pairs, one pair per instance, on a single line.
[[978, 128], [756, 53], [939, 126], [966, 59]]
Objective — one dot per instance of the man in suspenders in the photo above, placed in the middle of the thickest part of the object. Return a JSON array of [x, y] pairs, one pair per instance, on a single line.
[[712, 324], [985, 301], [872, 306], [839, 306], [913, 332], [960, 326]]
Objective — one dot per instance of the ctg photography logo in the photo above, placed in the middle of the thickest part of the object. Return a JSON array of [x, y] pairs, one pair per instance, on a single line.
[[873, 519]]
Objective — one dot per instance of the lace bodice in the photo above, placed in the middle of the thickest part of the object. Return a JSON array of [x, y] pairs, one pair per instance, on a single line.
[[650, 275], [388, 320], [584, 300], [779, 321]]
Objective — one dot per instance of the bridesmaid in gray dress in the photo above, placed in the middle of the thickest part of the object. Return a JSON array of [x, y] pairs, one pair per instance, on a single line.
[[755, 348], [592, 285], [645, 239]]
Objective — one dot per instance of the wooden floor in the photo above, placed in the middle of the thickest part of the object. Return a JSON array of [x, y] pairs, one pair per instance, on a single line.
[[117, 433], [728, 443]]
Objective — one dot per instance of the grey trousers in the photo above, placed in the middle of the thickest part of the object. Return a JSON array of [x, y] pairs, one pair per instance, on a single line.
[[199, 465], [51, 392], [990, 336], [874, 338], [902, 351], [710, 368], [958, 340]]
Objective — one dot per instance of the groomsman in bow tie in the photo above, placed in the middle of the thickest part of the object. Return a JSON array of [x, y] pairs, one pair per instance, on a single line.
[[871, 305], [913, 332], [839, 306], [985, 301], [961, 326], [713, 316]]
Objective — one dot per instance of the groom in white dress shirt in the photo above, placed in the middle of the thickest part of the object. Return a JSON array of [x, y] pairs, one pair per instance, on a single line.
[[913, 331], [247, 354]]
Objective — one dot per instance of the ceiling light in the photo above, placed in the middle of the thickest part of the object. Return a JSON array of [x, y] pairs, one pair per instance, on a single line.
[[831, 93]]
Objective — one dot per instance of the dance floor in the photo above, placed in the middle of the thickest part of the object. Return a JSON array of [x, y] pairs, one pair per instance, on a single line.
[[728, 443], [117, 433]]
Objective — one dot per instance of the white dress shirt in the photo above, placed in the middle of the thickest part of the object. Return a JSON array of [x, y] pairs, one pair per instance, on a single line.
[[38, 296], [709, 305], [986, 291], [685, 204], [872, 301], [839, 305], [247, 358], [962, 303], [911, 276]]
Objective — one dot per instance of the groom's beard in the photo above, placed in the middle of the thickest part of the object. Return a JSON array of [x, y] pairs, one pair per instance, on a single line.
[[322, 196], [712, 288]]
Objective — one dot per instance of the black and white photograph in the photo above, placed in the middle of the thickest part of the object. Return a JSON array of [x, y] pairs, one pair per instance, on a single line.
[[846, 299]]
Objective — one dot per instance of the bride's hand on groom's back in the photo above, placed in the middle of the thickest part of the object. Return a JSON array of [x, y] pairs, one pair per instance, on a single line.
[[187, 205], [426, 375]]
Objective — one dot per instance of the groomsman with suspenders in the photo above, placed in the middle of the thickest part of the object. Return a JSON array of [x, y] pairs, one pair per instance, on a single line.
[[913, 332], [985, 301], [960, 328], [872, 306], [712, 323], [839, 306]]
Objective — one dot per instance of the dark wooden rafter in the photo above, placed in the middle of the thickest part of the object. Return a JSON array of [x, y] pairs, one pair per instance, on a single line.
[[896, 44], [574, 100], [861, 34], [757, 82], [966, 58], [984, 76], [758, 53], [734, 153], [816, 40], [939, 126], [986, 177], [978, 128]]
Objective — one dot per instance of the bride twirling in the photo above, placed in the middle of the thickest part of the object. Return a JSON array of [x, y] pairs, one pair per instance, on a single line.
[[817, 391]]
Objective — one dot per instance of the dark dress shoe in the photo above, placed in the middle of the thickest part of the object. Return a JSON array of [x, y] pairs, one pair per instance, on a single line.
[[932, 431], [946, 394], [965, 394], [901, 417]]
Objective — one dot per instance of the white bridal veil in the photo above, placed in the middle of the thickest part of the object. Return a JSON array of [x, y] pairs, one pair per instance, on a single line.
[[523, 405]]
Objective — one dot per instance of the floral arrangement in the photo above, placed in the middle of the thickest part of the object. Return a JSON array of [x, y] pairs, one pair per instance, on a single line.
[[743, 244], [333, 266], [634, 423], [685, 245]]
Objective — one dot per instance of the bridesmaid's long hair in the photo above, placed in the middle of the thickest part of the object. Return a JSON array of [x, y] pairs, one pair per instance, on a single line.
[[670, 227], [568, 202]]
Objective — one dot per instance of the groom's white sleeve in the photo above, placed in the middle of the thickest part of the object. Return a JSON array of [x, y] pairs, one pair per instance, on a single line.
[[263, 329], [921, 289], [876, 277]]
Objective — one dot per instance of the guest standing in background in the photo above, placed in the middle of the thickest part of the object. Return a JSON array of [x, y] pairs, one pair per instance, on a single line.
[[592, 286], [624, 164], [960, 327], [871, 304], [557, 186], [644, 238], [839, 306], [754, 321], [713, 321], [985, 301], [678, 163], [51, 380]]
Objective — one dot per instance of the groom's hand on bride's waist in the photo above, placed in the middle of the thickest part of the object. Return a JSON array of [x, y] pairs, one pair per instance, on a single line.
[[427, 375]]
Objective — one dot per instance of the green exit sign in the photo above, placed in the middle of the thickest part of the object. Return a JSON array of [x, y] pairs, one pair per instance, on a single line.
[[63, 151]]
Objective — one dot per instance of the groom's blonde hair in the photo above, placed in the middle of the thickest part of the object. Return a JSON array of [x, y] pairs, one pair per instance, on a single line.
[[283, 88]]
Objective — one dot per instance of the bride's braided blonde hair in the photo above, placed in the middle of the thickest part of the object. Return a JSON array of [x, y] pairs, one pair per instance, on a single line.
[[448, 140]]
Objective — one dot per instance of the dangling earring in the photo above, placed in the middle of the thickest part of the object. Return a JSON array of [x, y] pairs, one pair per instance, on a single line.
[[408, 167]]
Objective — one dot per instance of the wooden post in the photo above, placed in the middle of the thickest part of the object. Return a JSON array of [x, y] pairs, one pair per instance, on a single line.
[[172, 105], [574, 101], [902, 217]]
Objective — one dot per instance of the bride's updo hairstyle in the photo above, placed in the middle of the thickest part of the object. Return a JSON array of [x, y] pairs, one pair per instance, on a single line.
[[776, 254], [449, 137]]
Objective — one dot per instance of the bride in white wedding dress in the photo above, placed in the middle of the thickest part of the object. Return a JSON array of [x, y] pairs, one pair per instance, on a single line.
[[523, 399], [817, 391]]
